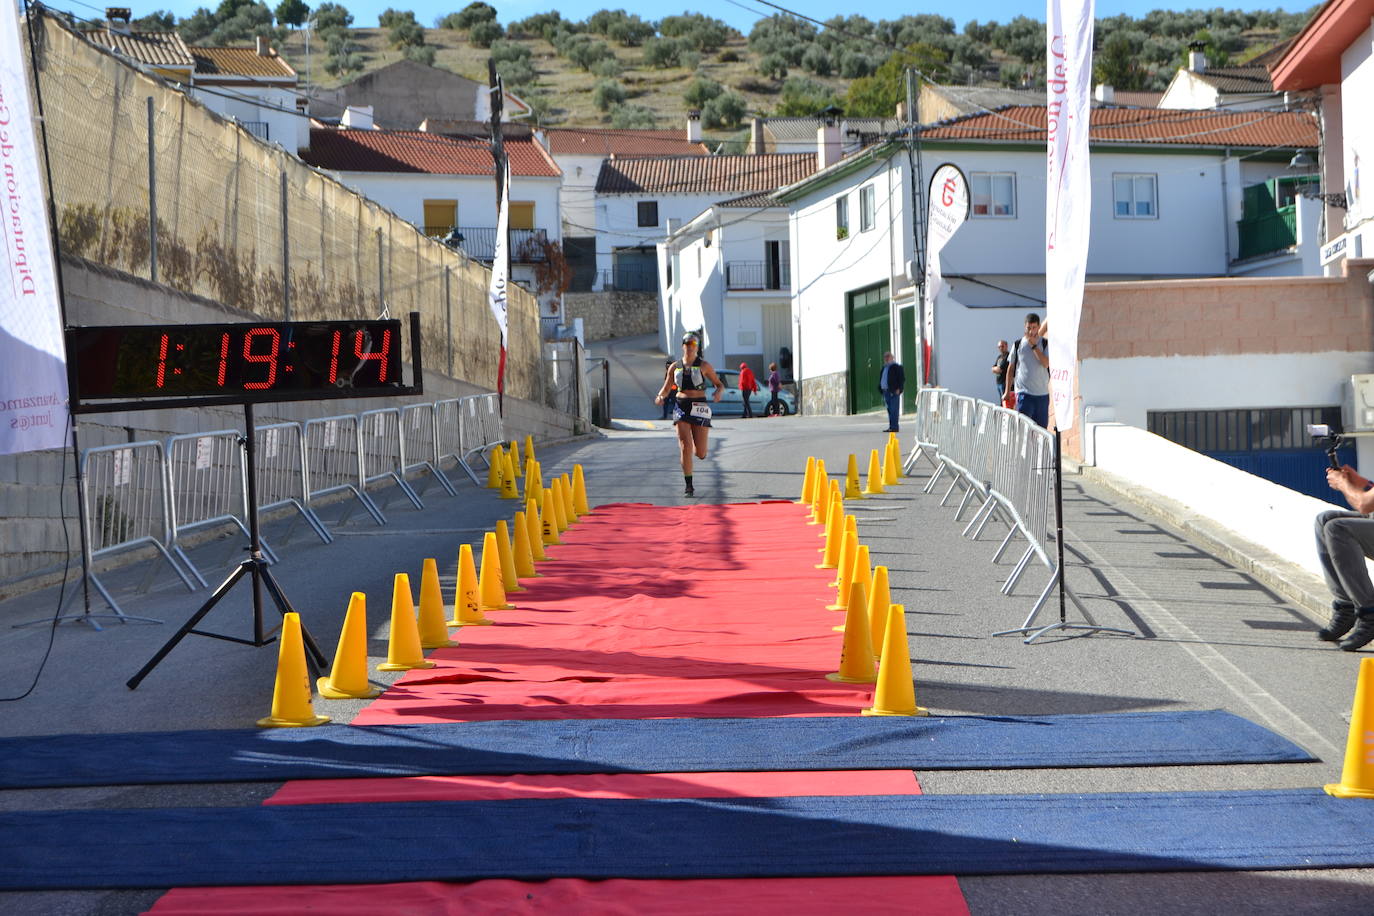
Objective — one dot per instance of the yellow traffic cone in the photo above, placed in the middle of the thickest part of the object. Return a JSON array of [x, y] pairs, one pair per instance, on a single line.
[[432, 629], [848, 550], [403, 647], [819, 482], [861, 572], [529, 448], [879, 601], [834, 536], [820, 498], [490, 591], [537, 481], [563, 492], [467, 608], [875, 475], [548, 518], [809, 481], [534, 528], [291, 695], [856, 657], [509, 487], [1357, 776], [520, 549], [851, 479], [896, 692], [348, 678], [843, 560], [892, 460], [569, 507], [515, 459], [495, 468], [580, 491], [510, 578]]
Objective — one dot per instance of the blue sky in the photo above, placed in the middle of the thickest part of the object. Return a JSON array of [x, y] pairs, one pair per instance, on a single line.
[[741, 14]]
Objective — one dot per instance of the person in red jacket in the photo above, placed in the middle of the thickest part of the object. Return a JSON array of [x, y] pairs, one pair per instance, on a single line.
[[747, 386]]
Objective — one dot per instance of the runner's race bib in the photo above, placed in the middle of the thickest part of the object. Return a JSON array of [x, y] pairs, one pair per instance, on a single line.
[[701, 410]]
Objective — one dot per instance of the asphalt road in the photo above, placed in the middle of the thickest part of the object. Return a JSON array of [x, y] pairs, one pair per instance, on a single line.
[[1207, 636]]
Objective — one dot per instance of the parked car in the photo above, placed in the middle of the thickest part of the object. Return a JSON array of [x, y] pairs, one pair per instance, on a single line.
[[732, 405]]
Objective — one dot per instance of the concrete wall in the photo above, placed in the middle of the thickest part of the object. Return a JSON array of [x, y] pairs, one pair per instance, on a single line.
[[612, 314], [33, 542]]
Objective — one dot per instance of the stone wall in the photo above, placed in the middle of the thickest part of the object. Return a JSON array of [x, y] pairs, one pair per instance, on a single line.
[[612, 314], [826, 395]]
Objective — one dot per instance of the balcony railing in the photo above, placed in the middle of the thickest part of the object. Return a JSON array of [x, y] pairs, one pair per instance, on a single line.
[[257, 129], [628, 280], [526, 245], [1270, 232], [747, 275]]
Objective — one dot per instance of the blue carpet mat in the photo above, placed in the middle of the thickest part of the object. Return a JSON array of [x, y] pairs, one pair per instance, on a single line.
[[535, 839], [643, 746]]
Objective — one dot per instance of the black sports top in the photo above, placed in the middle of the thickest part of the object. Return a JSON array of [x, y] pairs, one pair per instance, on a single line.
[[688, 378]]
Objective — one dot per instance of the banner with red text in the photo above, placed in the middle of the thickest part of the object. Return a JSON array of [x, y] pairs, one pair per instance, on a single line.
[[33, 365], [947, 210], [1068, 189]]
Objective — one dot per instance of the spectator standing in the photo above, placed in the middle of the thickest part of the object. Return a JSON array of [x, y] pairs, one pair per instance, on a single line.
[[1344, 540], [891, 380], [774, 386], [748, 385], [668, 399], [999, 369], [1028, 372]]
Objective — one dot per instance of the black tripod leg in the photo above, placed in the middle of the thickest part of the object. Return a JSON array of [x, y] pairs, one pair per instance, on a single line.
[[224, 587], [279, 597]]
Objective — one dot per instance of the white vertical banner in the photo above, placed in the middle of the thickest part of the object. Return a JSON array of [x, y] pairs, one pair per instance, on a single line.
[[948, 208], [33, 365], [500, 275], [1068, 188]]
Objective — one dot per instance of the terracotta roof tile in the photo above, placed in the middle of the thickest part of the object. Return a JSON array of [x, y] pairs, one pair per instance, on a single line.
[[417, 151], [157, 49], [704, 174], [1137, 99], [1026, 124], [571, 141], [755, 201], [239, 62]]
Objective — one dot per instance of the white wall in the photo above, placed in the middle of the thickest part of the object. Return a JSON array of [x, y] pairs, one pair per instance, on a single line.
[[1357, 88], [275, 106], [405, 195], [578, 196], [617, 220]]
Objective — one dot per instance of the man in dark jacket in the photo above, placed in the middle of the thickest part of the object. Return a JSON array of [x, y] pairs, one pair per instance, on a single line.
[[891, 380]]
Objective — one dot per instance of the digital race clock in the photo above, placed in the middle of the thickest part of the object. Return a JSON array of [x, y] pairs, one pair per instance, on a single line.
[[238, 363]]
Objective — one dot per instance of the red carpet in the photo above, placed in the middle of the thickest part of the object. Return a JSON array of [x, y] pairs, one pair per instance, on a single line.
[[642, 612]]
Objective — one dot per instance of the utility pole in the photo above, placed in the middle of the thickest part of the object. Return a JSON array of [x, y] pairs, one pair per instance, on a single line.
[[498, 147]]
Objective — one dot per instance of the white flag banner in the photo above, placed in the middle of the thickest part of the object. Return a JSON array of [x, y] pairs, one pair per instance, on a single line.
[[1068, 188], [500, 262], [33, 366], [948, 208]]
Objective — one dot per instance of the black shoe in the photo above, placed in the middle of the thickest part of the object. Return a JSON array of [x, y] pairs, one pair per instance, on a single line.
[[1343, 617], [1361, 635], [688, 491]]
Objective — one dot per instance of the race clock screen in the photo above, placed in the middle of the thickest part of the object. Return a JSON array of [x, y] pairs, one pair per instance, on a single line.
[[254, 361]]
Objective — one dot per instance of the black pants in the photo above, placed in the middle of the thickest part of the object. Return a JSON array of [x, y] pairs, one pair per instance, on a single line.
[[748, 408]]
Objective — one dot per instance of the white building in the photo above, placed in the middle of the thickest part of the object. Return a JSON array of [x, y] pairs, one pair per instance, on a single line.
[[1244, 88], [1168, 201], [1334, 55], [640, 200], [440, 183]]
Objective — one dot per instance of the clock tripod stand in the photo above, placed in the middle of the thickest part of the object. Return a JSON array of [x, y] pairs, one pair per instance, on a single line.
[[255, 568]]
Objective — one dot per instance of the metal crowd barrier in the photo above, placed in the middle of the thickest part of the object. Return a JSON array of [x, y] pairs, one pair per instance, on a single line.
[[280, 462], [126, 506], [207, 486], [420, 443], [333, 464], [381, 451], [468, 427]]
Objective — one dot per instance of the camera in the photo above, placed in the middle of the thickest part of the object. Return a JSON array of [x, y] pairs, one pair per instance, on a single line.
[[1329, 439]]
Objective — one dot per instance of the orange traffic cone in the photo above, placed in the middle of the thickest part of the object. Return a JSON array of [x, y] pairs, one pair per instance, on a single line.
[[520, 546], [490, 592], [510, 579], [879, 601], [580, 491], [509, 486], [432, 629], [856, 658], [403, 647], [495, 468], [291, 695], [534, 528], [896, 693], [875, 475], [809, 481], [467, 608], [348, 678], [515, 459], [848, 550], [851, 479], [1357, 776], [548, 518]]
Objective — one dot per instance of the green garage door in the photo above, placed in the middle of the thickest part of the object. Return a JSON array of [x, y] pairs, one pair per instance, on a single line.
[[870, 335]]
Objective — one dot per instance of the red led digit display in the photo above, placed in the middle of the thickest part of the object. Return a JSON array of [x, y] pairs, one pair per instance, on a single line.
[[255, 361]]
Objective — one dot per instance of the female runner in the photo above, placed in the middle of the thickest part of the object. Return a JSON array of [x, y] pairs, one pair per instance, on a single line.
[[691, 414]]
